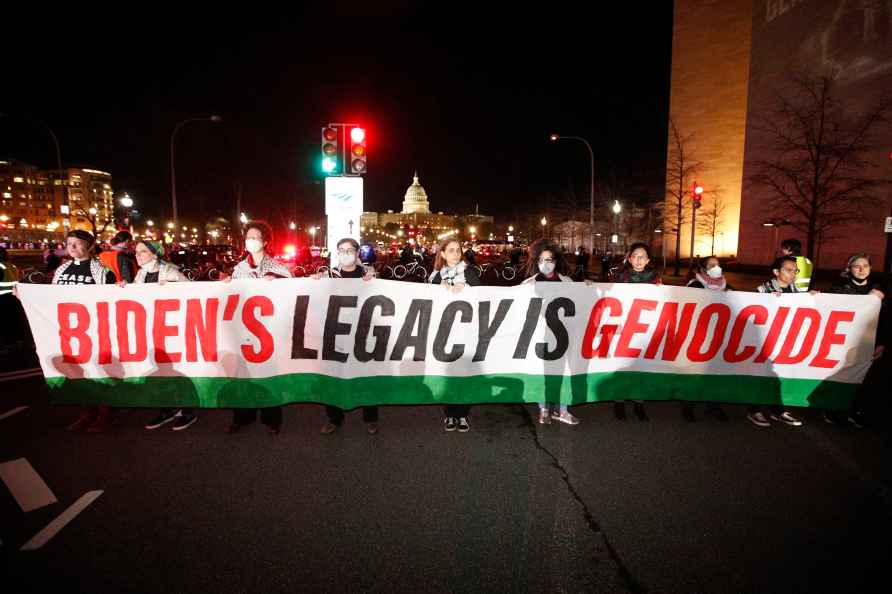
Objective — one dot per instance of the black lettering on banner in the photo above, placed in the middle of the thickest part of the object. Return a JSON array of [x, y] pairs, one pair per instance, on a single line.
[[335, 328], [557, 328], [381, 333], [298, 351], [529, 326], [420, 311], [446, 323], [487, 330]]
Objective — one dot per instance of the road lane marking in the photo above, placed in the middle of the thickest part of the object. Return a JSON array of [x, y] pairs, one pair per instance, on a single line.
[[53, 528], [18, 409], [25, 484]]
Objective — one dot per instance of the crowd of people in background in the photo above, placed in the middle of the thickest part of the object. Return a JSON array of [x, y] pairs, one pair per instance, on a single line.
[[146, 262]]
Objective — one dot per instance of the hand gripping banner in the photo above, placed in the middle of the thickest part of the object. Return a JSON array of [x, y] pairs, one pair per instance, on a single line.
[[348, 343]]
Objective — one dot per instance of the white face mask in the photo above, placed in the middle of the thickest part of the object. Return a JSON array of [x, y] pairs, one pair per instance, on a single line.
[[253, 246], [546, 268], [346, 260], [714, 272]]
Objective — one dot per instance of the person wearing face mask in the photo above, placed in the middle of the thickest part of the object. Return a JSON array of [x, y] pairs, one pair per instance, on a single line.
[[708, 275], [545, 262], [452, 273], [258, 264], [349, 266], [856, 280], [84, 269], [636, 269], [153, 269]]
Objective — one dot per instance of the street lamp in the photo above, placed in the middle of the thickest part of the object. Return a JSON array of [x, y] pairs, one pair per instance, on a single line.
[[544, 222], [127, 201], [150, 223], [292, 226], [243, 219], [617, 207], [170, 225], [173, 182], [591, 154]]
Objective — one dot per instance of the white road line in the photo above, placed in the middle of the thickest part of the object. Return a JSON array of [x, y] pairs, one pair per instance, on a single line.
[[17, 409], [25, 484], [53, 528]]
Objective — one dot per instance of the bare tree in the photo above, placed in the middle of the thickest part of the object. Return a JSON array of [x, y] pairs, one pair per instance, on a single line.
[[92, 219], [712, 216], [816, 163], [681, 167]]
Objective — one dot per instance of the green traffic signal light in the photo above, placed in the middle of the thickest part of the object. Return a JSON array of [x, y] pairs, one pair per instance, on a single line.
[[329, 164]]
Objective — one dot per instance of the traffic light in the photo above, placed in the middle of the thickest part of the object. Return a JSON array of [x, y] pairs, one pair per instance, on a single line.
[[358, 153], [329, 150], [696, 195]]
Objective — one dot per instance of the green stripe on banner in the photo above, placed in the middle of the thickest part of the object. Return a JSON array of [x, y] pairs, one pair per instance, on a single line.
[[222, 392]]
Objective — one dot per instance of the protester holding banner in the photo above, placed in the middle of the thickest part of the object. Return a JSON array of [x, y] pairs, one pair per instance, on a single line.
[[152, 269], [707, 275], [84, 269], [349, 266], [453, 273], [545, 264], [636, 269], [856, 280], [784, 270], [118, 259], [258, 264]]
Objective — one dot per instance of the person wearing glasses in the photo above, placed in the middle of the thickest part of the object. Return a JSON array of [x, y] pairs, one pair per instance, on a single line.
[[349, 266]]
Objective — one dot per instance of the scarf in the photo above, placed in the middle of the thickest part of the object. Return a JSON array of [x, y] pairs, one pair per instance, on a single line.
[[716, 284], [451, 275]]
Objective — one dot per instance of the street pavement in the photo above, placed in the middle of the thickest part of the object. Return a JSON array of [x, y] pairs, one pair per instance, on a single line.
[[607, 506]]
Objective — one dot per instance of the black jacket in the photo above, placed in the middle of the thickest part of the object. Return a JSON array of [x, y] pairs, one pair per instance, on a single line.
[[884, 326], [472, 279]]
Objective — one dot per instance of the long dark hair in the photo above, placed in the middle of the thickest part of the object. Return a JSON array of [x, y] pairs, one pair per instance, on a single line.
[[638, 245], [543, 245]]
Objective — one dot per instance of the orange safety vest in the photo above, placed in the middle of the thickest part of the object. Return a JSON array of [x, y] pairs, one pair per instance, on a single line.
[[109, 259]]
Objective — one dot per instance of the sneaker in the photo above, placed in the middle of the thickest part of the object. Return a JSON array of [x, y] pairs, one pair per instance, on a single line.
[[565, 417], [164, 417], [82, 422], [328, 428], [789, 419], [182, 421], [371, 428], [856, 420], [451, 424], [463, 426], [544, 416], [639, 411], [619, 411], [830, 417], [758, 419]]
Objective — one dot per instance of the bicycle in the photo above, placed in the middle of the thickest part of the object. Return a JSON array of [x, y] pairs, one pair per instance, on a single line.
[[413, 269]]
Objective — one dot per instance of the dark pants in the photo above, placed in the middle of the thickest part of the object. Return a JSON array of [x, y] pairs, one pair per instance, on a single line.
[[336, 415], [271, 416], [456, 410]]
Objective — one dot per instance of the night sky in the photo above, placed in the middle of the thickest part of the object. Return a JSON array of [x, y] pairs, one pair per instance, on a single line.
[[469, 105]]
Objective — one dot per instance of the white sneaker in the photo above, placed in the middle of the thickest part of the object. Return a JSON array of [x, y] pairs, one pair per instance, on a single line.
[[758, 419], [565, 417], [787, 418], [544, 416]]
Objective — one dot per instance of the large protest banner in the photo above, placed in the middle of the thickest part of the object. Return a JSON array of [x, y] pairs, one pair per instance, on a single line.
[[351, 342]]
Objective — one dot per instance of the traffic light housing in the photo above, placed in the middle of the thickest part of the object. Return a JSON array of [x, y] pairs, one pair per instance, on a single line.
[[358, 151], [697, 195], [329, 147]]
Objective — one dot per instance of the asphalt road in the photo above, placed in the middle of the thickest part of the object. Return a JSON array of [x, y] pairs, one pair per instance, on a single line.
[[607, 506]]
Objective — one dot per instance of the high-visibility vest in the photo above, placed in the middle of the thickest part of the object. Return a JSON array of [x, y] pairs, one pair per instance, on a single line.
[[109, 259], [803, 279]]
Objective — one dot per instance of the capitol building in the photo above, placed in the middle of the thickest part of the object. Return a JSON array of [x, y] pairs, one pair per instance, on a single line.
[[416, 219]]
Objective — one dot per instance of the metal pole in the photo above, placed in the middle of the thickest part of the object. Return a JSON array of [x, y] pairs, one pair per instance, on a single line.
[[693, 229]]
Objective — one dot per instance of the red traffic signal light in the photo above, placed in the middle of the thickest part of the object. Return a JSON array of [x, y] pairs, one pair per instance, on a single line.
[[358, 151]]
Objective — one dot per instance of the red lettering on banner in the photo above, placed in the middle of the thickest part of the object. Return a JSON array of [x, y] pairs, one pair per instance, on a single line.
[[666, 326], [760, 316], [831, 338], [105, 354], [633, 327], [718, 334], [786, 356], [256, 328], [123, 309], [78, 332], [607, 331], [205, 330], [773, 334], [161, 330]]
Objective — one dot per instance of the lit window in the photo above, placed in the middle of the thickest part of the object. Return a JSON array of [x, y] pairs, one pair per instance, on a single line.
[[7, 195], [18, 180]]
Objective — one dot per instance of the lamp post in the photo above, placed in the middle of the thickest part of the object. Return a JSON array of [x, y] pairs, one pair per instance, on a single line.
[[617, 208], [544, 222], [591, 154], [173, 178], [127, 202]]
